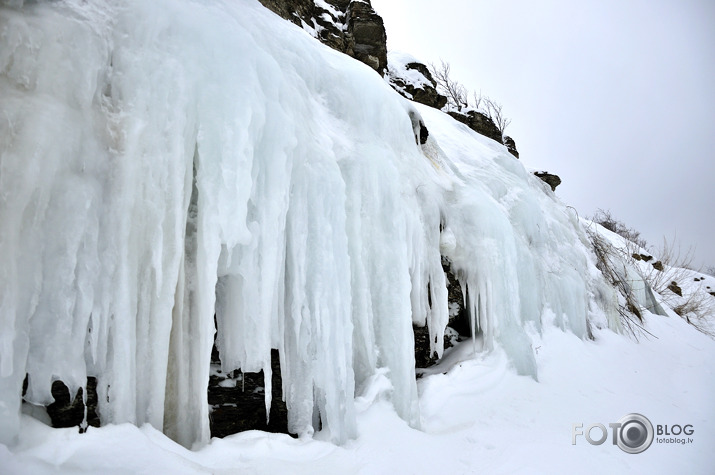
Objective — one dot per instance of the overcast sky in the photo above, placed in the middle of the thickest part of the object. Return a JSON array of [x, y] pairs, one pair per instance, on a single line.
[[616, 97]]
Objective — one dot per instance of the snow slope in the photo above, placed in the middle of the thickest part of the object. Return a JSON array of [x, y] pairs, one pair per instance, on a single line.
[[480, 417], [164, 160]]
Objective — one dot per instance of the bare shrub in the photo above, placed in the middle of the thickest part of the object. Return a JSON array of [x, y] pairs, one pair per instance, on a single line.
[[477, 99], [457, 95], [494, 111], [608, 261], [665, 276], [606, 219]]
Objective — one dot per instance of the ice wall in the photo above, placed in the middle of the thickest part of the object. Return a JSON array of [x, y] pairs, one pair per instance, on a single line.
[[165, 161]]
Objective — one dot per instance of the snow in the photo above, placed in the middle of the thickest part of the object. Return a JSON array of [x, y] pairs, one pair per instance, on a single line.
[[333, 13], [397, 62], [478, 417], [162, 161]]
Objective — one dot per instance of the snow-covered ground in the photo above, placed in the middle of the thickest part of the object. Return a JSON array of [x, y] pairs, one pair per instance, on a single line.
[[162, 161], [478, 417]]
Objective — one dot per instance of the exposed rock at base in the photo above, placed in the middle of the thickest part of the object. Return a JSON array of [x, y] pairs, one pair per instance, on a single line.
[[237, 403], [478, 122], [550, 179], [68, 411], [458, 326], [511, 146], [351, 27], [423, 357], [658, 265]]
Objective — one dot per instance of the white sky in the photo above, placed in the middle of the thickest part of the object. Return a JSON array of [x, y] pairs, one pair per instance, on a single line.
[[616, 97]]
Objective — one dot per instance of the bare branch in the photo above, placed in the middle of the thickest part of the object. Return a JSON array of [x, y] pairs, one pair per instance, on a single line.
[[455, 92], [494, 111], [477, 99]]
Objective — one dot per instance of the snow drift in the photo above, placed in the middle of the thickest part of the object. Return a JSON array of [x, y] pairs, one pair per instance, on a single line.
[[164, 162]]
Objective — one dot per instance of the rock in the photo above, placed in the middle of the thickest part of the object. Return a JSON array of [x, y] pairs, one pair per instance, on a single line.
[[413, 80], [458, 313], [236, 400], [418, 127], [550, 179], [366, 37], [67, 411], [458, 326], [657, 265], [511, 146], [673, 287], [424, 133], [479, 123], [423, 357], [351, 27]]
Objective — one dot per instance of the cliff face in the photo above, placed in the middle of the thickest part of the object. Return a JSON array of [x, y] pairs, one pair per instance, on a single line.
[[413, 80], [354, 28], [351, 27]]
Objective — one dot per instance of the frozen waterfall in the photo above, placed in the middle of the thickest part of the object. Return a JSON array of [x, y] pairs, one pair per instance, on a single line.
[[164, 162]]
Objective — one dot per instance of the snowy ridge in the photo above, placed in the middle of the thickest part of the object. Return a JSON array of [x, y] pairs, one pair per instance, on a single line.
[[164, 161], [397, 62]]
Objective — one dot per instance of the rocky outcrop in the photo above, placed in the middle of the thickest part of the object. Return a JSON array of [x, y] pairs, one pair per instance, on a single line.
[[478, 122], [550, 179], [413, 80], [349, 26], [366, 37], [511, 146], [675, 288]]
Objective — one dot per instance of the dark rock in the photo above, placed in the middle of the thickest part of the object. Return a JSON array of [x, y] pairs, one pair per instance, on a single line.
[[673, 287], [424, 93], [511, 146], [68, 411], [550, 179], [293, 10], [424, 133], [458, 314], [423, 357], [418, 127], [366, 37], [636, 256], [459, 324], [657, 265], [479, 123], [351, 28], [240, 405]]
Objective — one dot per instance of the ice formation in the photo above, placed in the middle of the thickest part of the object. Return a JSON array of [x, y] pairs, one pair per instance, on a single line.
[[164, 162]]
